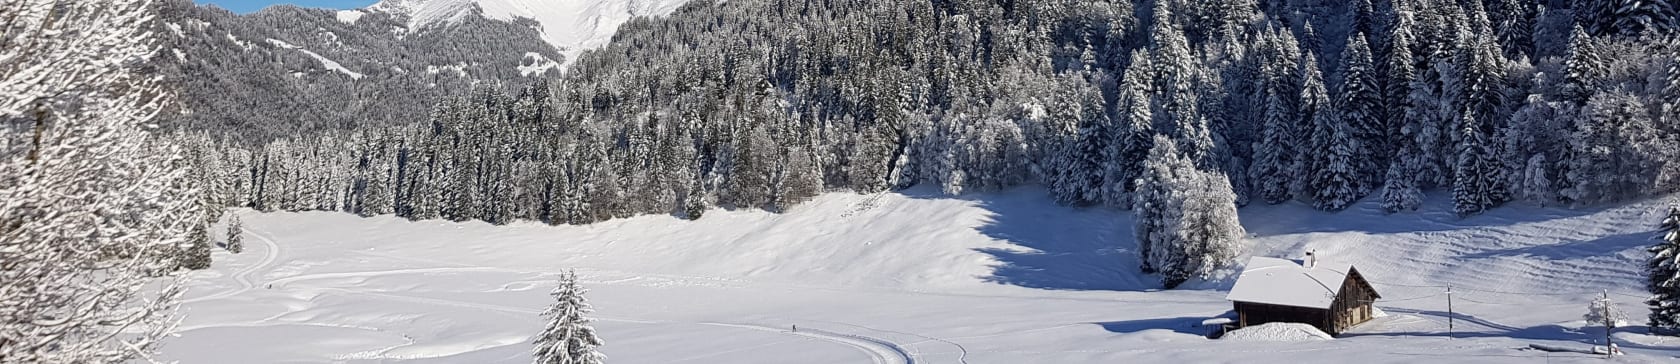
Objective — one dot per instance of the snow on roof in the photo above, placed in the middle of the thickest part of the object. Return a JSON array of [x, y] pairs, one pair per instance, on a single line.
[[1284, 282]]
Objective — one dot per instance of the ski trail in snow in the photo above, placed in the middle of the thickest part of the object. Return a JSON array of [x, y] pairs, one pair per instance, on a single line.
[[879, 350], [305, 277], [243, 276], [962, 352]]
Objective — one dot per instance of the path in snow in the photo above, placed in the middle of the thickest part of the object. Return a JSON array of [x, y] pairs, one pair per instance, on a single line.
[[271, 252]]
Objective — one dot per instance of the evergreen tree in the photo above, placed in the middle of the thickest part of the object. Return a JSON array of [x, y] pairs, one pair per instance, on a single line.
[[1583, 66], [1475, 176], [1310, 41], [1663, 272], [1360, 107], [1135, 138], [1612, 144], [1274, 158], [1315, 108], [568, 338], [1334, 183], [1186, 220], [235, 235], [1400, 73], [195, 255], [1626, 17]]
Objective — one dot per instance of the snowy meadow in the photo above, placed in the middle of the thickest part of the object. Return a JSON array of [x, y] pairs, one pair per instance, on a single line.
[[903, 277]]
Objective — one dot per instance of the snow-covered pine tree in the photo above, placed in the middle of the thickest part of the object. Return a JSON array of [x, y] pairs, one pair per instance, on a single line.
[[1135, 129], [93, 202], [1333, 183], [1210, 234], [1156, 208], [1364, 17], [1473, 176], [1611, 142], [1513, 23], [1626, 17], [1273, 168], [1399, 74], [1186, 219], [1176, 102], [1583, 66], [1078, 179], [568, 338], [235, 235], [1663, 277], [1314, 100], [1311, 43], [1360, 107], [195, 254]]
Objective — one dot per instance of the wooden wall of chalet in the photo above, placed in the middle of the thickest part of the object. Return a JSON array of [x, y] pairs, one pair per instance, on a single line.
[[1250, 314], [1353, 305]]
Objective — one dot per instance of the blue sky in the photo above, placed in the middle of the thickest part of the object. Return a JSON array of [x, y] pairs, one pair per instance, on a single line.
[[247, 6]]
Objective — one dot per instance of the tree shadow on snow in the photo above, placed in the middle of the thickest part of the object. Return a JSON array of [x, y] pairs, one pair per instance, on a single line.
[[1605, 246], [1436, 214], [1471, 326], [1052, 246], [1183, 325]]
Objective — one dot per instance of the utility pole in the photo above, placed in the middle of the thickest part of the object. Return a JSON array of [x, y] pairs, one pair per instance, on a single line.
[[1449, 312], [1609, 322]]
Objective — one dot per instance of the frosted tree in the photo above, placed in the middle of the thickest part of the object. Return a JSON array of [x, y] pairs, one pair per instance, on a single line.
[[93, 204], [1473, 175], [1603, 312], [1127, 150], [1583, 67], [568, 338], [195, 255], [1186, 220], [1315, 100], [1154, 206], [1211, 235], [1177, 73], [1663, 274], [1333, 183], [1626, 17], [1360, 107], [1273, 167], [1399, 73], [235, 235], [1612, 145]]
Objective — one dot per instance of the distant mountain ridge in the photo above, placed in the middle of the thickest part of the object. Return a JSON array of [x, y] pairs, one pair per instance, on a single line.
[[570, 25], [286, 70]]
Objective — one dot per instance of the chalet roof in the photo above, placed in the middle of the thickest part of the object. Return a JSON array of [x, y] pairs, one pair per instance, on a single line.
[[1284, 282]]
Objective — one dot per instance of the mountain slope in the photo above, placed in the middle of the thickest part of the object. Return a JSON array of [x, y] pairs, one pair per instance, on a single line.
[[571, 25], [287, 70]]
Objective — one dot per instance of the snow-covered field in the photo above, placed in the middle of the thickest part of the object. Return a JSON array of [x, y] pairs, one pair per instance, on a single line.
[[903, 277]]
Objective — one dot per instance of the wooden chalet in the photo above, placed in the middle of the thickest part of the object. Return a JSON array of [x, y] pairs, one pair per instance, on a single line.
[[1332, 297]]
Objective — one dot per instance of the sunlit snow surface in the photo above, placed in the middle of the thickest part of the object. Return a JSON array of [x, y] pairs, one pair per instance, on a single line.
[[571, 25], [992, 278]]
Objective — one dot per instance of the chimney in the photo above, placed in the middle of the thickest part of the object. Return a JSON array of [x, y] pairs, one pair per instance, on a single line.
[[1312, 259]]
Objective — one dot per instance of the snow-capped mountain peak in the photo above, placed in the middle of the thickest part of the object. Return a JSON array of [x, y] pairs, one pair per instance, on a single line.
[[571, 25]]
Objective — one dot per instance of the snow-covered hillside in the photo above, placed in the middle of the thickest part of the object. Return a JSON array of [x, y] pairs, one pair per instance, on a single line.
[[902, 277], [571, 25]]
